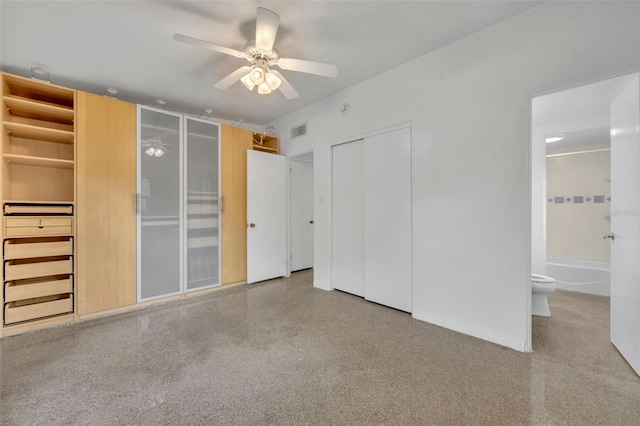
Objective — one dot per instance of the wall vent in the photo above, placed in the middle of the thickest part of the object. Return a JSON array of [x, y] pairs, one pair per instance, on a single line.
[[298, 131]]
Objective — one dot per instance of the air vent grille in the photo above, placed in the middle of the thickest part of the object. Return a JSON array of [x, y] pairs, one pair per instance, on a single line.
[[298, 131]]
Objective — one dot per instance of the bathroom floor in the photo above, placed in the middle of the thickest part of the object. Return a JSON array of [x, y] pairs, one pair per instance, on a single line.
[[282, 352]]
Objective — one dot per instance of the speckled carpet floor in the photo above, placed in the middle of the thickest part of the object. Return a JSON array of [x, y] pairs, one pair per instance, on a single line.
[[282, 352]]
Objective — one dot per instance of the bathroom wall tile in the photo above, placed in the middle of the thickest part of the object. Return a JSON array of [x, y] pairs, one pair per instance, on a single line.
[[579, 199]]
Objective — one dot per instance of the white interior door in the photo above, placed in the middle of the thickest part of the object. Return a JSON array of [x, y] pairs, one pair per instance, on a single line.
[[625, 224], [301, 214], [348, 218], [266, 216], [387, 219]]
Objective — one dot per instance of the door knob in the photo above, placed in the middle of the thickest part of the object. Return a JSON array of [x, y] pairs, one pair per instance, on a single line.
[[252, 225], [609, 235], [311, 222]]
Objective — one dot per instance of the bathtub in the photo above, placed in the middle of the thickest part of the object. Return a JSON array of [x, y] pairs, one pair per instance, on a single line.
[[584, 276]]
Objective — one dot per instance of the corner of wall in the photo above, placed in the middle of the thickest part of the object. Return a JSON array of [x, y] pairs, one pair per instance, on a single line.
[[322, 285]]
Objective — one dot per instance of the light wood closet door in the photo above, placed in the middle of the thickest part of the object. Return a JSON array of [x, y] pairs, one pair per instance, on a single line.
[[235, 143], [105, 208]]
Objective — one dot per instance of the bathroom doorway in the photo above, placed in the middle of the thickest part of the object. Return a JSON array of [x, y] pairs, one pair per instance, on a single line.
[[301, 220], [571, 169]]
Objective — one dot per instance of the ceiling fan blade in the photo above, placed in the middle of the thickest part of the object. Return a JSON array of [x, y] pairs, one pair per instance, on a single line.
[[266, 28], [285, 87], [317, 68], [205, 44], [226, 82]]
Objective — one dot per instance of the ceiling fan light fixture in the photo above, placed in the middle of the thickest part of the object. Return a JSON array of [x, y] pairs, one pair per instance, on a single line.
[[159, 152], [257, 75], [150, 151], [248, 83], [264, 89], [272, 80]]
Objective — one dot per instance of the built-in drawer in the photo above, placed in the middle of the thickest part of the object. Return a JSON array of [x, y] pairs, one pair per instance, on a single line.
[[34, 288], [33, 268], [41, 209], [22, 248], [37, 226], [43, 307]]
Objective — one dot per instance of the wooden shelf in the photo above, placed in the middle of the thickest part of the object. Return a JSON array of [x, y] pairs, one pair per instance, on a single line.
[[31, 202], [46, 134], [29, 108], [265, 143], [257, 147], [27, 160], [39, 90]]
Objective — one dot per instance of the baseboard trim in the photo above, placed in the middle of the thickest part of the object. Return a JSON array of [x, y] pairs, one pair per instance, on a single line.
[[480, 333], [322, 285]]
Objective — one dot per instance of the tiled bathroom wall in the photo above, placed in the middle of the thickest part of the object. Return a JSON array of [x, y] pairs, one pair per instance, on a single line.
[[578, 206]]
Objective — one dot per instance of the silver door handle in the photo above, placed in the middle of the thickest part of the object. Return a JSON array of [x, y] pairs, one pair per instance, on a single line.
[[252, 225], [137, 200], [610, 235]]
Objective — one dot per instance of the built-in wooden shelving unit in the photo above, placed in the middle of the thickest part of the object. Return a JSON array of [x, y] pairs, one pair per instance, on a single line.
[[265, 143], [38, 192]]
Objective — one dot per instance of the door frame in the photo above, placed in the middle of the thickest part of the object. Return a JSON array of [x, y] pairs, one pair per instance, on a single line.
[[329, 150], [290, 158], [528, 347]]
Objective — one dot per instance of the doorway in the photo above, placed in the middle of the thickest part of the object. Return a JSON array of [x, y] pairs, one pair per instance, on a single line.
[[301, 220], [576, 167]]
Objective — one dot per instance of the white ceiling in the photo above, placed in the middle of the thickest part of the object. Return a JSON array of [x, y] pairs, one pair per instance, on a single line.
[[90, 45], [580, 113]]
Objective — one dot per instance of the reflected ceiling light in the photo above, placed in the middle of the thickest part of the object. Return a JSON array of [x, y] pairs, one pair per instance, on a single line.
[[553, 138], [154, 152], [154, 147]]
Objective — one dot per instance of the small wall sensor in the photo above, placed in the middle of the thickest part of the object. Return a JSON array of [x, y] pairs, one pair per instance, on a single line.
[[345, 108]]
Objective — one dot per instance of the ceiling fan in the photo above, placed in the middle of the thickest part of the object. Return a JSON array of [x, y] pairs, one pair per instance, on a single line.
[[262, 56]]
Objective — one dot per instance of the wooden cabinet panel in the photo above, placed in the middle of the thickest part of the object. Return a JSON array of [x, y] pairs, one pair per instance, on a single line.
[[105, 207], [235, 143]]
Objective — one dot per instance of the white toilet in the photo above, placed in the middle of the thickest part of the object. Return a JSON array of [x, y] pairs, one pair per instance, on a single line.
[[541, 285]]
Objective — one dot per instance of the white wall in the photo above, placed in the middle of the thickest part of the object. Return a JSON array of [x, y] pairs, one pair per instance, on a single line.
[[469, 107]]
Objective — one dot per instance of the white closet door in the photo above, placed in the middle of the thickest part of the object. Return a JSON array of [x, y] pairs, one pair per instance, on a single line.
[[387, 219], [348, 218]]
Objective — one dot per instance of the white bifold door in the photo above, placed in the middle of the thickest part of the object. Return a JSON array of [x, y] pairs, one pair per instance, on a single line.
[[371, 218], [178, 181]]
